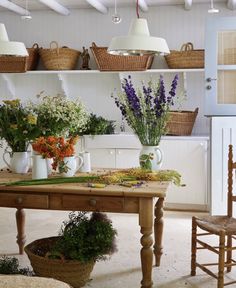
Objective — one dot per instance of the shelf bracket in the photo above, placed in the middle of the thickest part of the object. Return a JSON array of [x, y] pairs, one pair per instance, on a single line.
[[64, 86], [9, 79]]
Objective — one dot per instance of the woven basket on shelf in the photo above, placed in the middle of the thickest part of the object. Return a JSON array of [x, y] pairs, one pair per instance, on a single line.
[[63, 58], [187, 57], [108, 62], [181, 123], [13, 64], [33, 58], [72, 272]]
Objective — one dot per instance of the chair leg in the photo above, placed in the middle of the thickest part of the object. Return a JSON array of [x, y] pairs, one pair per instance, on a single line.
[[194, 247], [221, 260], [229, 252]]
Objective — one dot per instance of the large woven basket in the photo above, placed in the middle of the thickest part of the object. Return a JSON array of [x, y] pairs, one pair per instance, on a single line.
[[63, 58], [181, 123], [72, 272], [33, 58], [13, 64], [108, 62], [187, 57]]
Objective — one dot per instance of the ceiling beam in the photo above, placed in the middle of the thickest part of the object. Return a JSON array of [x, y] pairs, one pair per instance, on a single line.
[[13, 7], [188, 4], [231, 4], [54, 5], [98, 5], [143, 5]]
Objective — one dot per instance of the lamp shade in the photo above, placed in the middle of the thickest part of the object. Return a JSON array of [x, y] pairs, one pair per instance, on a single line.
[[10, 47], [138, 41]]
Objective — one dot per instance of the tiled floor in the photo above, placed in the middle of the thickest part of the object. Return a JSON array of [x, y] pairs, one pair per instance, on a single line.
[[123, 269]]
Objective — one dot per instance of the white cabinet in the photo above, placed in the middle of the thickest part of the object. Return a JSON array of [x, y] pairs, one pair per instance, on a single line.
[[187, 155]]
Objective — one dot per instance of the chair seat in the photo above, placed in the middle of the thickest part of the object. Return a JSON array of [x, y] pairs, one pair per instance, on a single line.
[[215, 224]]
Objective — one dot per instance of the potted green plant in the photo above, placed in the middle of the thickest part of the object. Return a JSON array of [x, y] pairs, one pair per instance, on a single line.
[[70, 257]]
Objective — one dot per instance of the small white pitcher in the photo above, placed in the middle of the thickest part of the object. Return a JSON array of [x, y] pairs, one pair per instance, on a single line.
[[73, 163], [19, 161], [39, 167], [86, 167]]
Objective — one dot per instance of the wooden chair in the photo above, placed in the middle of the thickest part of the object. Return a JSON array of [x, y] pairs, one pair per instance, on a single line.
[[222, 226]]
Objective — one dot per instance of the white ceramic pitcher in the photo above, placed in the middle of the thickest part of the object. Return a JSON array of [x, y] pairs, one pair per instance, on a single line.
[[73, 163], [19, 161], [39, 167]]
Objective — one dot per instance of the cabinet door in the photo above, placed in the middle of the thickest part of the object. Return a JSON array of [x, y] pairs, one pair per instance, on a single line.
[[220, 66], [102, 158], [189, 158], [127, 158]]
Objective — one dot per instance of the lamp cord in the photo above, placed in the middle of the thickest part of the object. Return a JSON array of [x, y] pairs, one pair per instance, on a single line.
[[137, 12]]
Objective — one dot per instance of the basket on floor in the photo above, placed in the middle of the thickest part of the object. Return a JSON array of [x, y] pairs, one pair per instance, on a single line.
[[13, 64], [181, 123], [72, 272], [187, 57], [108, 62], [63, 58], [33, 58]]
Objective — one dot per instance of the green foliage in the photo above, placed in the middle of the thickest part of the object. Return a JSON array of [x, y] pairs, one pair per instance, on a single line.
[[18, 125], [10, 265], [98, 125], [85, 239]]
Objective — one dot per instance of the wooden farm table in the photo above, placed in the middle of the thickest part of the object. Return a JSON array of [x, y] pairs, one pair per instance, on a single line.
[[79, 197]]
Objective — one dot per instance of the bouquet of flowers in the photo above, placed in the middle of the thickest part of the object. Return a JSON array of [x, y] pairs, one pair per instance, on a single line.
[[146, 111], [56, 148], [18, 125], [59, 116]]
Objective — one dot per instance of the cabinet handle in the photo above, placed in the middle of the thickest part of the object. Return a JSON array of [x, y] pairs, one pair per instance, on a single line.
[[19, 200], [111, 152], [118, 152], [209, 79], [93, 202]]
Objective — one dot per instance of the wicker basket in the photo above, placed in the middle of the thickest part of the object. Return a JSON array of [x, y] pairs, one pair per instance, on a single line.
[[108, 62], [72, 272], [59, 58], [181, 122], [13, 64], [33, 58], [187, 57]]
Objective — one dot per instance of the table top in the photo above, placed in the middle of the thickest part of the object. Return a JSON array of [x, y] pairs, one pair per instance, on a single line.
[[147, 189]]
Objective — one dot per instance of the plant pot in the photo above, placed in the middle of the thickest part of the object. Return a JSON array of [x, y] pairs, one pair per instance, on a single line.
[[150, 158], [72, 272]]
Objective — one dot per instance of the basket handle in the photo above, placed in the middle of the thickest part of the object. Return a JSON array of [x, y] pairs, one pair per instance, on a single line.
[[187, 47], [35, 46], [56, 44], [94, 45]]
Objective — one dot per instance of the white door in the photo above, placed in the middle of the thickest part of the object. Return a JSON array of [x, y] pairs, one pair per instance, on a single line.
[[220, 66], [223, 133], [102, 158], [127, 158]]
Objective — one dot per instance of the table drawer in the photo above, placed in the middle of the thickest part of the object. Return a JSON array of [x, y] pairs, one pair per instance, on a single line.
[[23, 200], [93, 203]]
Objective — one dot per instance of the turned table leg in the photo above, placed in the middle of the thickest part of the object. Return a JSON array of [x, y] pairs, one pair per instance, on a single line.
[[158, 230], [20, 222], [146, 224]]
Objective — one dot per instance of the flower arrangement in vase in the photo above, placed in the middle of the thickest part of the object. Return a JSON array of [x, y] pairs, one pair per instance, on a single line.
[[146, 112], [18, 126], [61, 151]]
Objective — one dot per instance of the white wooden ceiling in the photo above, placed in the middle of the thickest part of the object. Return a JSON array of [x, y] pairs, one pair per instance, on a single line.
[[70, 4]]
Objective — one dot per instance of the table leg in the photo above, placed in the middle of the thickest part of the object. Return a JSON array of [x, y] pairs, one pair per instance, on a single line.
[[158, 230], [146, 223], [20, 222]]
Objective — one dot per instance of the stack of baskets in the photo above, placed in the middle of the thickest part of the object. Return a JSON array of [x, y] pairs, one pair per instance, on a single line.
[[181, 123], [187, 57], [56, 58], [13, 64], [108, 62]]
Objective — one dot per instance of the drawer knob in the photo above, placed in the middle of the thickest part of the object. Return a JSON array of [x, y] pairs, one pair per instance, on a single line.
[[93, 202], [19, 200]]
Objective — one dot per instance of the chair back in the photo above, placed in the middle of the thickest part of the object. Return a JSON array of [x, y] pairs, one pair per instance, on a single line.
[[231, 167]]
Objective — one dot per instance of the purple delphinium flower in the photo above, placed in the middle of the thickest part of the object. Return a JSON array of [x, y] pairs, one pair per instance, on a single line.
[[132, 98], [147, 91], [172, 91]]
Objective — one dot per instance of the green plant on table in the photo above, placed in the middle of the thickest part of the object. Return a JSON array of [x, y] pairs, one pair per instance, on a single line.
[[10, 265], [18, 125]]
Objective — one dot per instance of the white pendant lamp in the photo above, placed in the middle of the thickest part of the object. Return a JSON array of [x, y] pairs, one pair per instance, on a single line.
[[138, 41], [9, 47]]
